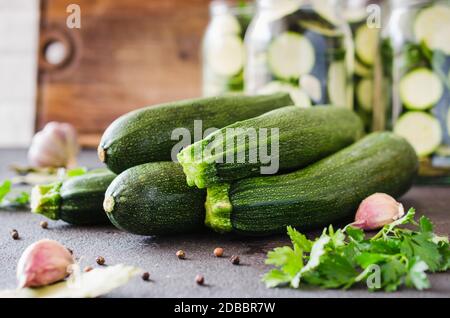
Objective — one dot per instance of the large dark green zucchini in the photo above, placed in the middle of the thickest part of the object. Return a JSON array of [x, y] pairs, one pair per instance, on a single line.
[[153, 199], [77, 200], [304, 136], [325, 192], [145, 135]]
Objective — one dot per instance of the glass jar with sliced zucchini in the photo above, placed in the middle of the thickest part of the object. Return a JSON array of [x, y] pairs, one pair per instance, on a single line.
[[413, 81], [223, 51], [300, 47], [365, 33]]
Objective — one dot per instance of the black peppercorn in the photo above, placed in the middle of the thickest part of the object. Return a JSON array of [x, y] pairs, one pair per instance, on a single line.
[[199, 279], [146, 276], [235, 260], [100, 260], [15, 234]]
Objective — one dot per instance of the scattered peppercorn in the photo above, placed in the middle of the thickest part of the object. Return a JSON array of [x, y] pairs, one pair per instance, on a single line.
[[218, 252], [87, 269], [15, 234], [235, 260], [199, 279], [146, 276], [44, 224], [181, 254], [100, 260], [70, 251]]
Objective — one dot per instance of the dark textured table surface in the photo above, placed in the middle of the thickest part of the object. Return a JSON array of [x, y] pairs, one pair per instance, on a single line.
[[172, 277]]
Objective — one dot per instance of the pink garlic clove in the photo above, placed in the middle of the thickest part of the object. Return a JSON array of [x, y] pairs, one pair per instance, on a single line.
[[376, 211], [54, 146], [43, 262]]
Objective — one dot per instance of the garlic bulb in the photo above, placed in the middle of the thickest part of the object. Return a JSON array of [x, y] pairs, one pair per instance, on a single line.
[[54, 146], [43, 262], [376, 211]]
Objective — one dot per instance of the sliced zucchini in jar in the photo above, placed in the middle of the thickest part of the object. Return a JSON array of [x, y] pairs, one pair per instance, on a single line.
[[355, 14], [226, 55], [361, 69], [326, 10], [366, 40], [432, 26], [225, 24], [337, 83], [291, 55], [422, 130], [364, 94], [282, 9], [311, 86], [298, 96], [420, 89]]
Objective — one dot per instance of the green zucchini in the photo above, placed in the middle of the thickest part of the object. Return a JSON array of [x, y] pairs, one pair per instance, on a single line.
[[145, 135], [325, 192], [153, 199], [305, 136], [77, 200]]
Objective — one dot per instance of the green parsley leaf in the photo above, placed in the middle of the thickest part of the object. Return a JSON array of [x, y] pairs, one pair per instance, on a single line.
[[425, 225], [419, 246], [75, 172], [22, 199], [298, 239], [290, 261], [394, 257], [275, 277], [5, 188], [366, 259], [355, 233], [392, 273], [417, 276]]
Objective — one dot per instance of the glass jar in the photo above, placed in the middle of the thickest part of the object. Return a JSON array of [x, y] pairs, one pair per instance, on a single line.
[[412, 82], [365, 33], [300, 47], [223, 52]]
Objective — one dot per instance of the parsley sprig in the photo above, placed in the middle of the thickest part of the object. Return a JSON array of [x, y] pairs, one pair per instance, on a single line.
[[394, 257]]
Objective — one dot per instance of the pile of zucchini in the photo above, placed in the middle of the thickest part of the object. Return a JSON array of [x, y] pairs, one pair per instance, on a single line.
[[326, 169]]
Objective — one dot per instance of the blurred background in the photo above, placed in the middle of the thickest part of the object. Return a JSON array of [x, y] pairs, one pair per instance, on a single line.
[[127, 54], [86, 62]]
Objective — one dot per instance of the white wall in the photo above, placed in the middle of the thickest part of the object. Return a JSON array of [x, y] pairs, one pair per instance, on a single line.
[[19, 27]]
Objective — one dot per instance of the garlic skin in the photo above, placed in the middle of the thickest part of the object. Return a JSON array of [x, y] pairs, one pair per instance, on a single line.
[[54, 146], [43, 262], [376, 211]]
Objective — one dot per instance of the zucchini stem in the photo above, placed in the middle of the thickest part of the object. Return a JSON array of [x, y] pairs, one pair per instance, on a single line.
[[218, 209], [101, 152], [108, 204], [46, 200]]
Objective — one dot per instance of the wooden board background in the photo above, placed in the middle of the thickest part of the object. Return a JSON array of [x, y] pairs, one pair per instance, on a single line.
[[126, 55]]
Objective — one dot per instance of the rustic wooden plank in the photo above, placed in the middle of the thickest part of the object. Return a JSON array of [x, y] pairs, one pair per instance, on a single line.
[[126, 55]]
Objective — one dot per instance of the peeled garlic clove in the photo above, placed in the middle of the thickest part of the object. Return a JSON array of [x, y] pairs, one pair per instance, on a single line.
[[43, 262], [54, 146], [376, 211]]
